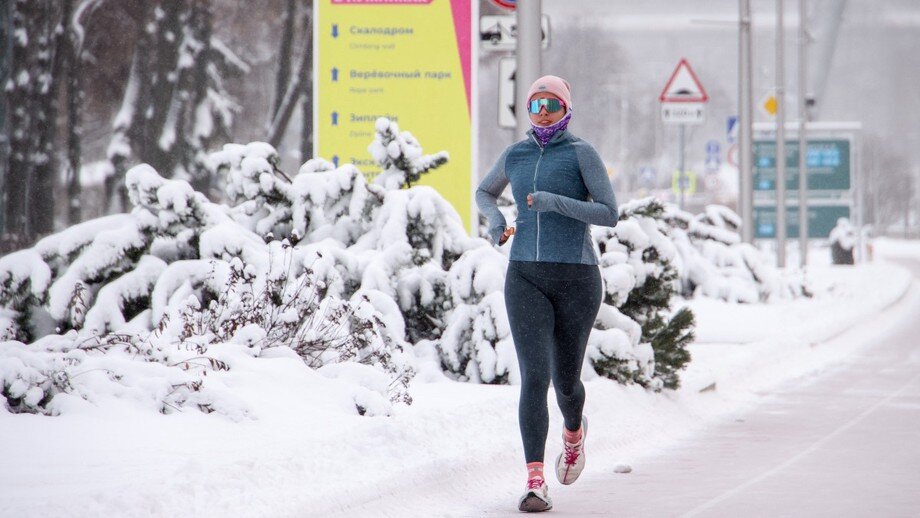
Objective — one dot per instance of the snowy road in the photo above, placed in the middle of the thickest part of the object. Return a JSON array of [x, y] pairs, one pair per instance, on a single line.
[[844, 444]]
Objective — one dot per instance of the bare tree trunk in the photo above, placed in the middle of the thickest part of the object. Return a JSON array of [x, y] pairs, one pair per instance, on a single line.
[[41, 193], [148, 97], [284, 57], [128, 132], [292, 96], [168, 37], [72, 58], [306, 133], [5, 47], [200, 27], [19, 92]]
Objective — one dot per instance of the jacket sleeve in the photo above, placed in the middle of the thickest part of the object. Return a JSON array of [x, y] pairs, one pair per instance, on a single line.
[[487, 196], [601, 209]]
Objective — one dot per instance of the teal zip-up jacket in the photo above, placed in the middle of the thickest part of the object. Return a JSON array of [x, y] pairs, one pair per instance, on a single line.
[[570, 190]]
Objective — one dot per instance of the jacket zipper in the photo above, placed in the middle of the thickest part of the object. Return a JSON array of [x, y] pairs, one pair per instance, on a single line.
[[535, 170]]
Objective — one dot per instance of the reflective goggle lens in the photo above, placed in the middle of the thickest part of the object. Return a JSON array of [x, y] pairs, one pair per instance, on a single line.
[[552, 105]]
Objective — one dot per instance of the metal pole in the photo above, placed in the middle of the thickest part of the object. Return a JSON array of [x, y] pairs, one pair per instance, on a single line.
[[681, 175], [803, 140], [780, 140], [528, 57], [825, 29], [745, 120]]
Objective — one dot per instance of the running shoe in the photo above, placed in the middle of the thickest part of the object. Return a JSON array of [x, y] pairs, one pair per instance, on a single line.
[[536, 497], [571, 461]]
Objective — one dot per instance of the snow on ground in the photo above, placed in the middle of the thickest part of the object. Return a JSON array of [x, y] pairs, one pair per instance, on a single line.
[[305, 454]]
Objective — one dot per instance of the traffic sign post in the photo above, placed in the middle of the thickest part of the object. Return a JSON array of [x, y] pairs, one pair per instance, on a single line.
[[507, 4], [768, 104], [499, 32], [713, 160], [506, 105], [731, 129], [683, 102]]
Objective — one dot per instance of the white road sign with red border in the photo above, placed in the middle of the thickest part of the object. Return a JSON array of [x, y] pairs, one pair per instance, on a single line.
[[683, 98]]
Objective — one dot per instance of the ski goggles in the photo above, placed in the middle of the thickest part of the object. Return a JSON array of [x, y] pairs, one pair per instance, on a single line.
[[552, 105]]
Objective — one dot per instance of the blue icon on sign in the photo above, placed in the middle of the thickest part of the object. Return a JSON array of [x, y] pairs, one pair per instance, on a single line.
[[647, 176], [813, 157], [765, 185], [764, 161], [765, 229], [712, 147], [730, 131]]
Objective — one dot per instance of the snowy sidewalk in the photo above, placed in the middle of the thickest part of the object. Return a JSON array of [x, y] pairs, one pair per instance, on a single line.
[[845, 444], [787, 340]]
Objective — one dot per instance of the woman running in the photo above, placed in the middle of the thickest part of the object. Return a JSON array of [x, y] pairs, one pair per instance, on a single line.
[[553, 284]]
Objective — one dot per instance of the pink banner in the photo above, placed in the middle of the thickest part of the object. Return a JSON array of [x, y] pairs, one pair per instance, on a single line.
[[462, 21]]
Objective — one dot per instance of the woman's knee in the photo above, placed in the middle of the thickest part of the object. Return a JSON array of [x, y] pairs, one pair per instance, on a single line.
[[534, 384], [569, 390]]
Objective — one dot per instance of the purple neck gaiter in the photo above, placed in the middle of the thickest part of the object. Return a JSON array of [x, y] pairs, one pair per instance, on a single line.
[[544, 133]]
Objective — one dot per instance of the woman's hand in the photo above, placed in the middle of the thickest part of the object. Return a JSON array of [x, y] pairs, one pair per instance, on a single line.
[[530, 200], [508, 233]]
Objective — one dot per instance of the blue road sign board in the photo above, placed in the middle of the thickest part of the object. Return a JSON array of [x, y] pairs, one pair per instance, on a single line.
[[647, 177], [713, 160], [712, 147], [731, 129], [828, 162], [821, 220]]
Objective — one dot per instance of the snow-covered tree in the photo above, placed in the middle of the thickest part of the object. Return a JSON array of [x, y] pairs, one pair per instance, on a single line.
[[399, 155], [641, 279], [842, 240]]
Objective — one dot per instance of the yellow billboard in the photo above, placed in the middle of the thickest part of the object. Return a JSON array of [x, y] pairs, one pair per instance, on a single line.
[[408, 60]]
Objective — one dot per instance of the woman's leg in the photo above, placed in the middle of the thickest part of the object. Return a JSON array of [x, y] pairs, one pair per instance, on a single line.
[[576, 303], [530, 316]]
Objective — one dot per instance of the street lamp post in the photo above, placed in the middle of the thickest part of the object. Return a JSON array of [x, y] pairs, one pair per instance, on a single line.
[[527, 54], [780, 140], [803, 139], [745, 120]]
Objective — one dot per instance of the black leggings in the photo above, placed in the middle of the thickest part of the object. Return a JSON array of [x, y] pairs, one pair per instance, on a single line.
[[551, 309]]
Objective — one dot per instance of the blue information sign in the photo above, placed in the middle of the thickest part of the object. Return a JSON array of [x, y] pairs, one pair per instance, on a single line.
[[828, 163], [821, 220]]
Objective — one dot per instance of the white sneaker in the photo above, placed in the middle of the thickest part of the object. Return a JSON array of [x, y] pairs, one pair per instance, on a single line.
[[536, 497], [571, 461]]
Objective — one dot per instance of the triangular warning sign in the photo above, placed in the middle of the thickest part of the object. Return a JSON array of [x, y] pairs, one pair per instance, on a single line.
[[683, 86]]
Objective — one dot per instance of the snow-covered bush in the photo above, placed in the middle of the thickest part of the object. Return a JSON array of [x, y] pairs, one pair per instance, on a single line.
[[61, 372], [476, 344], [715, 263], [641, 279], [319, 202], [399, 156], [182, 273]]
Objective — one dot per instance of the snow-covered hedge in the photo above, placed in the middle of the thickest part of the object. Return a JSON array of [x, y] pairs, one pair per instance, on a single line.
[[332, 269], [714, 262], [323, 265]]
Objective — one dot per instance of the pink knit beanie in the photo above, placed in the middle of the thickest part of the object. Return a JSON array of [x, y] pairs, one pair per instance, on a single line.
[[554, 85]]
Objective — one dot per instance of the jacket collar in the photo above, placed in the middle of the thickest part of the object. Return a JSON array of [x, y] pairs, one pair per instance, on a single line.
[[560, 135]]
